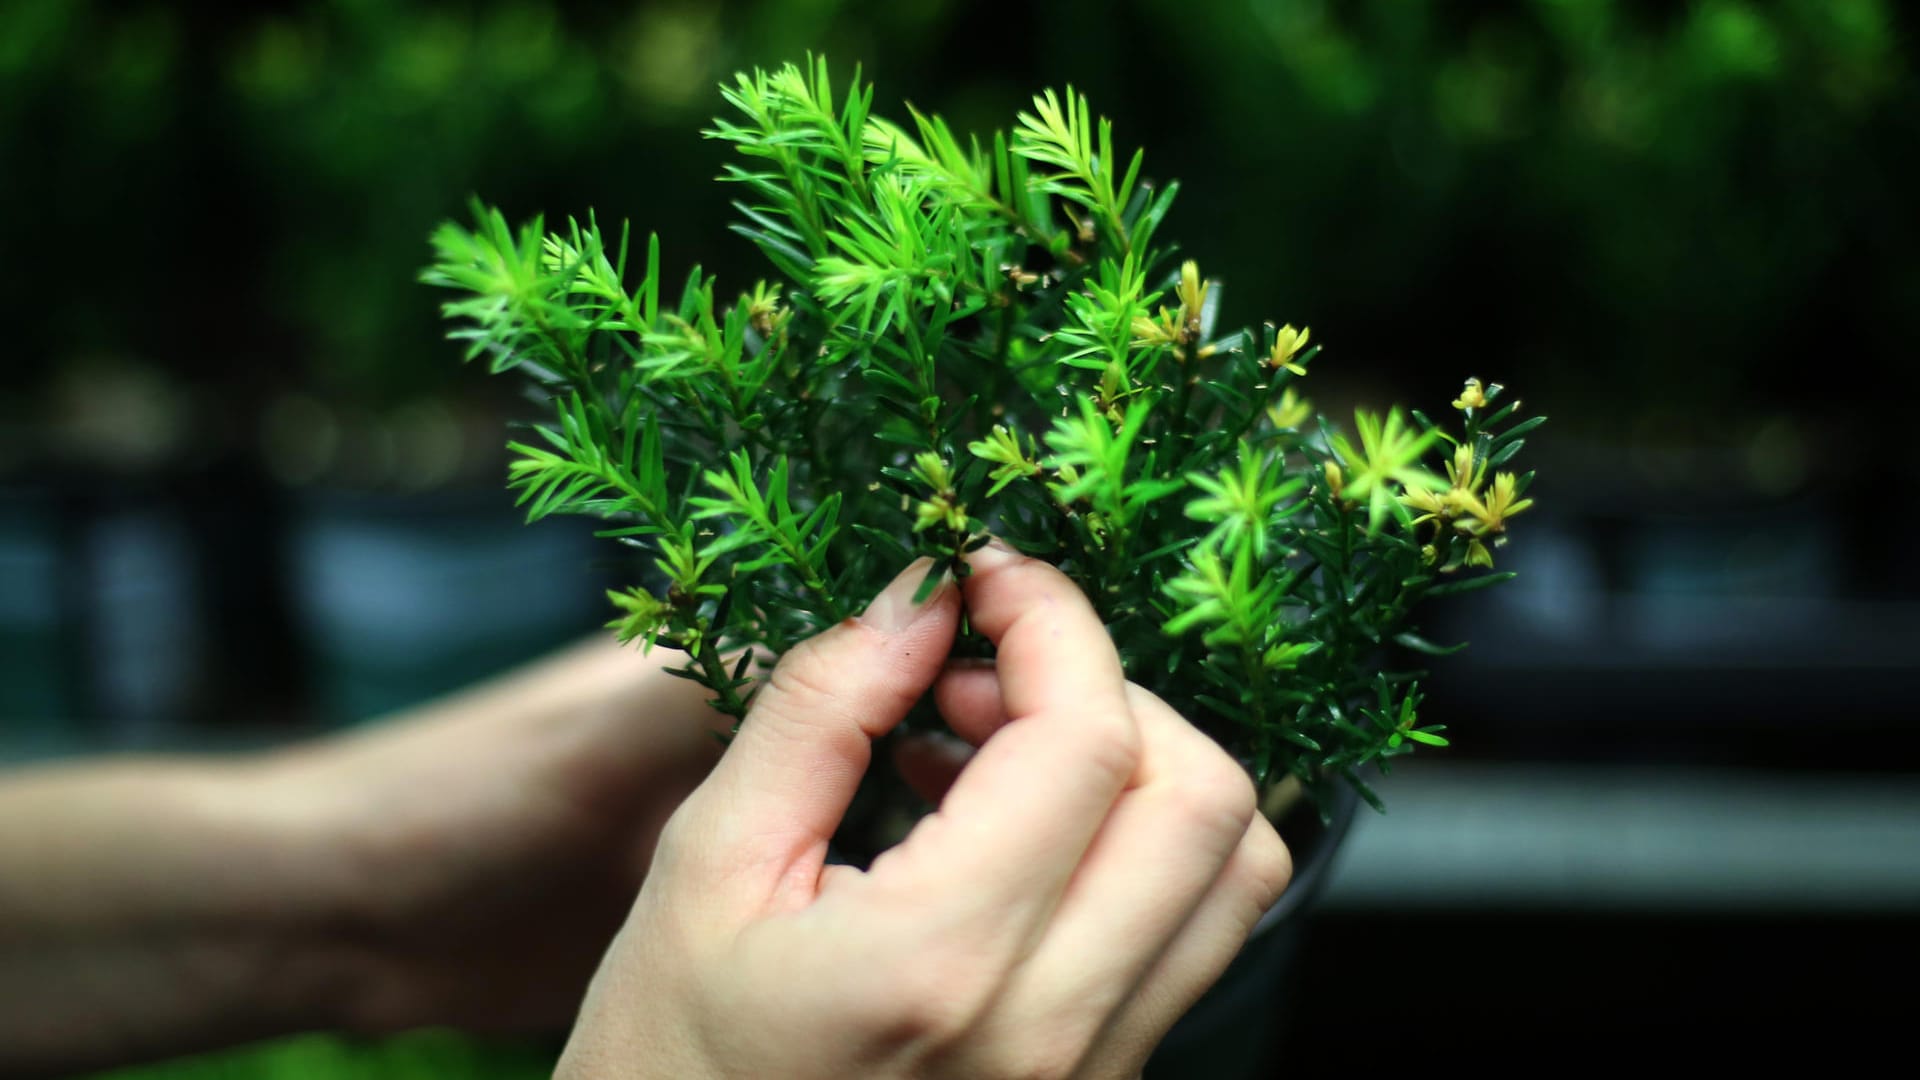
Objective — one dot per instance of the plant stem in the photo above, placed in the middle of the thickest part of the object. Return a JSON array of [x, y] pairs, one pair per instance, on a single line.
[[1338, 643], [718, 679], [1183, 400]]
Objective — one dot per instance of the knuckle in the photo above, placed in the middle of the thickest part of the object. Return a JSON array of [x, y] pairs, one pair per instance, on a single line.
[[937, 1004], [684, 847], [1033, 1051], [1051, 1056], [1116, 750], [1269, 865], [1234, 788], [935, 1021], [802, 681], [1218, 795], [671, 846], [844, 674], [674, 843]]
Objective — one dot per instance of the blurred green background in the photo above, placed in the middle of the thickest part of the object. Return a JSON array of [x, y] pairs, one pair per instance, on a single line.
[[247, 492]]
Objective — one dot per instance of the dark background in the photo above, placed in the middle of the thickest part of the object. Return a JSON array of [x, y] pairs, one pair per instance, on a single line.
[[247, 492]]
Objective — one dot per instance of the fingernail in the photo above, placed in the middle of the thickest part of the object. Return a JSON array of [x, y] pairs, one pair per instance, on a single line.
[[894, 610], [995, 552]]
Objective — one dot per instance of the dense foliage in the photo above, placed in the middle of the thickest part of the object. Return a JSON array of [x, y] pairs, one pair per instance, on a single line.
[[975, 336]]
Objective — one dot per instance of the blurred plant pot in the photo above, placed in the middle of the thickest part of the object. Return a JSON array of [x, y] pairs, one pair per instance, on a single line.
[[1234, 1029], [404, 597]]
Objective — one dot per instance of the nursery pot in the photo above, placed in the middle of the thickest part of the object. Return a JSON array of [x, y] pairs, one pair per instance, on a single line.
[[1233, 1031]]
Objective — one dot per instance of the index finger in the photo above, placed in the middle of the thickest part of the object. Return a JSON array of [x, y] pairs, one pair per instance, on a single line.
[[1054, 653], [1013, 828]]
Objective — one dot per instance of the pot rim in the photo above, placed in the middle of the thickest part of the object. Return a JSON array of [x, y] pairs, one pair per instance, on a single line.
[[1311, 873]]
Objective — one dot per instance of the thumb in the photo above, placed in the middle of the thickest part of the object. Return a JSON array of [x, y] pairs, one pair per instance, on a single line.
[[783, 786]]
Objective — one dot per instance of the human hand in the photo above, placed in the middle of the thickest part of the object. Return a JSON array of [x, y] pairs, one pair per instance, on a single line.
[[464, 864], [1090, 872], [484, 849]]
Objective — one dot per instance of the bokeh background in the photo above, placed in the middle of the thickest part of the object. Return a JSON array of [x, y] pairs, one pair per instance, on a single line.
[[248, 493]]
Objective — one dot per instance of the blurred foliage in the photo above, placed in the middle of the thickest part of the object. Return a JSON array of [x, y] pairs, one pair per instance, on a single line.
[[443, 1055], [1675, 223], [1641, 203], [1656, 205]]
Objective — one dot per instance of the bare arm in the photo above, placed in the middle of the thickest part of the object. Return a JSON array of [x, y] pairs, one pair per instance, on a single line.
[[463, 864], [150, 907]]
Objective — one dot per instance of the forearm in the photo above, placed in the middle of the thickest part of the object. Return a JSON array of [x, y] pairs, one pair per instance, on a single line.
[[456, 864], [157, 907]]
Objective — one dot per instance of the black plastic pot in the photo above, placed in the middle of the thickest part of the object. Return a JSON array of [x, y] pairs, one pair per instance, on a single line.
[[1235, 1030]]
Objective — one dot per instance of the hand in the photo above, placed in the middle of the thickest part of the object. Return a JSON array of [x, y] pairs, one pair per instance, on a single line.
[[463, 864], [1090, 872], [487, 847]]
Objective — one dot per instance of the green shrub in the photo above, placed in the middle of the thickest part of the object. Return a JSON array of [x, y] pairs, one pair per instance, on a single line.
[[970, 336]]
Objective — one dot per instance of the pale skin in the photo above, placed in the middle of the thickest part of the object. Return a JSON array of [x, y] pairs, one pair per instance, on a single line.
[[462, 864], [1092, 868]]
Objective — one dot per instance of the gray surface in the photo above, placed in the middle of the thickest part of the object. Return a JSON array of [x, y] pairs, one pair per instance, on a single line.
[[1556, 837]]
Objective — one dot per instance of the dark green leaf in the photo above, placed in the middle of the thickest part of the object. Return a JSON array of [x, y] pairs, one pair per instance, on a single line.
[[1472, 583], [1421, 645]]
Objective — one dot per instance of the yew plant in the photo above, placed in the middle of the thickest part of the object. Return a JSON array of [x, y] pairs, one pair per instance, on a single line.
[[962, 337]]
